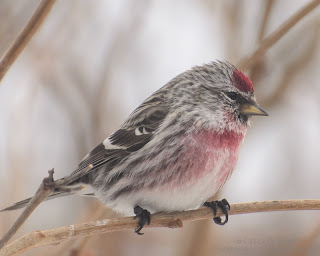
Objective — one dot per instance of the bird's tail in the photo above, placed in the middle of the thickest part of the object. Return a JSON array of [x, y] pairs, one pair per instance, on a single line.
[[23, 203], [71, 185]]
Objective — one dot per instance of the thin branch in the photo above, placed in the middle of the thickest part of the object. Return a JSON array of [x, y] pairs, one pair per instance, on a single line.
[[24, 37], [265, 20], [41, 194], [269, 41], [257, 68], [305, 244], [44, 190], [295, 68], [198, 241], [99, 212], [169, 220]]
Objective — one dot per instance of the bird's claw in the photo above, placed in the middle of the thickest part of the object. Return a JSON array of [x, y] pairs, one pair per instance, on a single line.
[[144, 217], [223, 205]]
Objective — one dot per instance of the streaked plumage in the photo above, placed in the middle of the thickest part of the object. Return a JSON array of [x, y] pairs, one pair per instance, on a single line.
[[177, 148]]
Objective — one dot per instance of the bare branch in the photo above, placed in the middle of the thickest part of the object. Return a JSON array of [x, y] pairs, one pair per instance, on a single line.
[[266, 15], [269, 41], [25, 36], [295, 67], [44, 190], [303, 246], [41, 194], [170, 220]]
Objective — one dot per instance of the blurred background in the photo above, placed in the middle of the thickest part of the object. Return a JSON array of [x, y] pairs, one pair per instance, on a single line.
[[92, 62]]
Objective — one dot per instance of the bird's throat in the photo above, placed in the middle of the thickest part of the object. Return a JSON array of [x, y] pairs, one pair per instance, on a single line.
[[229, 140]]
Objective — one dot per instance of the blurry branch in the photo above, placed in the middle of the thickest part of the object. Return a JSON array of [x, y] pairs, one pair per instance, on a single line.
[[265, 19], [119, 46], [41, 194], [302, 247], [25, 36], [269, 41], [295, 68], [169, 220], [94, 96], [257, 69], [233, 27], [64, 99], [198, 243]]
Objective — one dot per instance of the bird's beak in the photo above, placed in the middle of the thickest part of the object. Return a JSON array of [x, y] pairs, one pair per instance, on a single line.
[[252, 109]]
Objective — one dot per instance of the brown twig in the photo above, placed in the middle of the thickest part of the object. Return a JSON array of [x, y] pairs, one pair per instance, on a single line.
[[25, 36], [269, 41], [171, 220], [295, 67], [257, 69], [304, 245], [41, 194], [198, 243], [44, 190], [98, 214], [265, 19]]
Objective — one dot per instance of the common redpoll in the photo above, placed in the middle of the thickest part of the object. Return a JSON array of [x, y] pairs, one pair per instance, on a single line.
[[176, 149]]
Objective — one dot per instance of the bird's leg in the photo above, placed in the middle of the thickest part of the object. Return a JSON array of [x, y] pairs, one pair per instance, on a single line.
[[223, 205], [144, 217]]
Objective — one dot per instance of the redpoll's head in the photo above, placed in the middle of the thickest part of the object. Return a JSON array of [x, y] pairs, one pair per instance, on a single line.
[[221, 95]]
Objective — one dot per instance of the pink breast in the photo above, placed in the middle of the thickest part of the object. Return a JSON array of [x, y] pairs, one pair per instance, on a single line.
[[214, 153], [208, 160], [228, 139]]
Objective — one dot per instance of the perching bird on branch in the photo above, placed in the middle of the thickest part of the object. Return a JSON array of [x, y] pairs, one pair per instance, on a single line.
[[175, 150]]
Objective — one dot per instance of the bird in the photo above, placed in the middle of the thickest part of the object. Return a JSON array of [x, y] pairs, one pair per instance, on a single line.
[[175, 150]]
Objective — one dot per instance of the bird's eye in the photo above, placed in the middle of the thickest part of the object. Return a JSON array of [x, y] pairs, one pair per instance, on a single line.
[[232, 95]]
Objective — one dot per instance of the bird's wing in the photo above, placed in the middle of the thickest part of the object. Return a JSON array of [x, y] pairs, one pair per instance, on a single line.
[[136, 132]]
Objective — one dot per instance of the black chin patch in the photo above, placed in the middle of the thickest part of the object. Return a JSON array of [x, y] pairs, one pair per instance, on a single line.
[[243, 118]]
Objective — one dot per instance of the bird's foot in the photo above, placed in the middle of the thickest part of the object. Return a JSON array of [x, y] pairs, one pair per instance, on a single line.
[[144, 217], [223, 205]]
